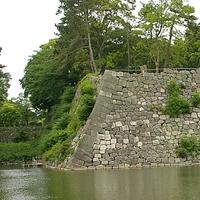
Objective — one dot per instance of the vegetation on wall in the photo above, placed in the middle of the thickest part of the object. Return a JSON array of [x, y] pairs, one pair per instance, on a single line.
[[188, 146], [195, 99], [93, 36], [176, 104], [57, 144]]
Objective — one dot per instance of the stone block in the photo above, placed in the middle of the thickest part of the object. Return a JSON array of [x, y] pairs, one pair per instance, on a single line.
[[136, 139], [156, 142], [125, 128], [102, 147], [97, 155], [104, 162], [139, 144], [107, 137], [125, 141], [133, 123], [113, 141], [119, 124], [96, 146]]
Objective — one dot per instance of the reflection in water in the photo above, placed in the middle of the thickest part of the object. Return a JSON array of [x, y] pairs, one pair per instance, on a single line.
[[141, 184]]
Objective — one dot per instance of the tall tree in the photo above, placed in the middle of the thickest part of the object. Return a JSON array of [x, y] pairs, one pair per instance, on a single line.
[[42, 81], [4, 82], [91, 23], [162, 20]]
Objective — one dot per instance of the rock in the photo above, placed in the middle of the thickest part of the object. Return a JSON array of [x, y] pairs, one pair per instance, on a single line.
[[139, 144], [118, 124]]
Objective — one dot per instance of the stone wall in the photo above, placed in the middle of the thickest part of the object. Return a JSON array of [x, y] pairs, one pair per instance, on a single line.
[[122, 131]]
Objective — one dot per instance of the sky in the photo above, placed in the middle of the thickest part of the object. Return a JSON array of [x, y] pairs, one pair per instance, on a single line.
[[24, 26]]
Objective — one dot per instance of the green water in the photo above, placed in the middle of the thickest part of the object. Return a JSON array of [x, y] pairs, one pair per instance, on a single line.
[[141, 184]]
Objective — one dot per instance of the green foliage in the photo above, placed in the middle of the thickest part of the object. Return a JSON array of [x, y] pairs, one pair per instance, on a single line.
[[87, 88], [15, 113], [10, 114], [4, 82], [11, 152], [173, 88], [51, 139], [181, 152], [85, 107], [195, 99], [188, 146], [43, 81], [56, 144], [176, 104], [60, 113]]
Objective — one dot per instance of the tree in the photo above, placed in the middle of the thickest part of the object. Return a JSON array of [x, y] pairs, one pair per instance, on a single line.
[[161, 20], [29, 115], [192, 42], [4, 82], [42, 81], [10, 114], [88, 24]]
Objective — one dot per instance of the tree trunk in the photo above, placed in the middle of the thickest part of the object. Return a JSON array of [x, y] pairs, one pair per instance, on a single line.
[[157, 61], [168, 53], [92, 61], [128, 50]]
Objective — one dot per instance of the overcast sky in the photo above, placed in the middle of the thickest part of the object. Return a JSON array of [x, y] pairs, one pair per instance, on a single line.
[[24, 26]]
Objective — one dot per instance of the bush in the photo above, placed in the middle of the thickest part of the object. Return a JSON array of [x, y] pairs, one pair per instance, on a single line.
[[49, 140], [188, 146], [10, 114], [195, 99], [86, 87], [177, 105], [12, 152], [181, 152], [173, 88], [58, 152], [86, 107], [56, 145], [62, 122]]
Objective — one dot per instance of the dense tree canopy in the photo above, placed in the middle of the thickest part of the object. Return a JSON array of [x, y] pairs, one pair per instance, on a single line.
[[4, 82], [98, 35]]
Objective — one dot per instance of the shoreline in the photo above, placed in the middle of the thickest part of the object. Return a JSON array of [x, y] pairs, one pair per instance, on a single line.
[[122, 167]]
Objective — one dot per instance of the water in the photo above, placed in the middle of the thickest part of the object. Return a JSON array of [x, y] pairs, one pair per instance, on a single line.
[[140, 184]]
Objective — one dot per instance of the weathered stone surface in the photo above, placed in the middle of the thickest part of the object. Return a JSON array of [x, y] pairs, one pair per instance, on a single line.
[[124, 129]]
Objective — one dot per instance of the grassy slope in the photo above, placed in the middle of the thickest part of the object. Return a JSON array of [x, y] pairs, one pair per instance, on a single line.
[[56, 145]]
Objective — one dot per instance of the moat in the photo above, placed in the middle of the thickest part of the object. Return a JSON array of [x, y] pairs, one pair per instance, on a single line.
[[174, 183]]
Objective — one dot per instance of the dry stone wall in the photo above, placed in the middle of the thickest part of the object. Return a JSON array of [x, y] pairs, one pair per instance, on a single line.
[[123, 131]]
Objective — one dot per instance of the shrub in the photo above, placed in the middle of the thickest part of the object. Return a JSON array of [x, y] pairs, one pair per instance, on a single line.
[[86, 87], [196, 99], [54, 153], [62, 122], [177, 105], [58, 151], [49, 140], [10, 114], [12, 152], [173, 88], [188, 146], [85, 107], [181, 152], [56, 145], [191, 144]]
